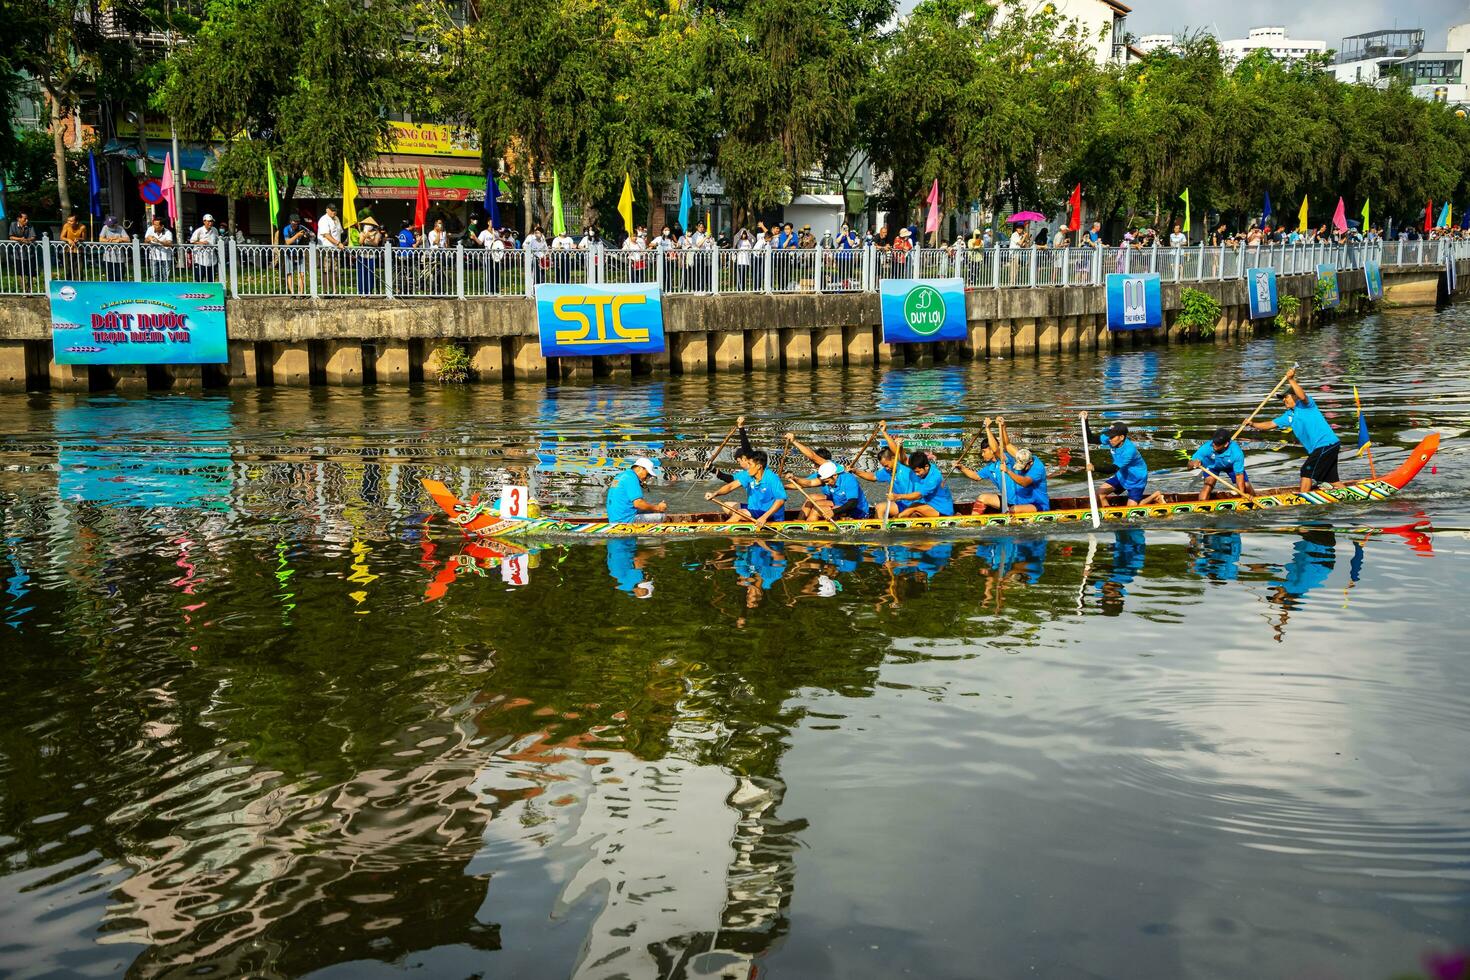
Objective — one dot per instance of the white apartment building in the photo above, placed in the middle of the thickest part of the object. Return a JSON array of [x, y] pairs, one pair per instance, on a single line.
[[1274, 40], [1104, 21]]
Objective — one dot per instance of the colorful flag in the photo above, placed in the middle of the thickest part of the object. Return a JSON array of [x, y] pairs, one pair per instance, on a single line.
[[1266, 210], [421, 203], [1339, 217], [558, 216], [492, 203], [1302, 215], [94, 189], [1444, 215], [1185, 198], [931, 225], [686, 202], [349, 203], [1366, 224], [1363, 440], [169, 197], [1429, 215], [625, 203], [274, 197], [1074, 222], [709, 223]]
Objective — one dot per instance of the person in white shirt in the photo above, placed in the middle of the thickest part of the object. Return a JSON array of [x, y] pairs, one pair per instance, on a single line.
[[1017, 238], [206, 250], [561, 260], [438, 258], [1178, 239], [761, 249], [744, 247], [160, 242], [332, 237], [329, 229]]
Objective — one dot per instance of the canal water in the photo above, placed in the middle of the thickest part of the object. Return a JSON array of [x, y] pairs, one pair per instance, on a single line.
[[266, 714]]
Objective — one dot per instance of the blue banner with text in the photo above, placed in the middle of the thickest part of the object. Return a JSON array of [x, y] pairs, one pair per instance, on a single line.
[[580, 320], [1331, 295], [922, 311], [138, 323], [1260, 285]]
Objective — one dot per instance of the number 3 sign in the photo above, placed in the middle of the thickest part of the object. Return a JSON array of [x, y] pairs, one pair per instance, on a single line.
[[513, 502]]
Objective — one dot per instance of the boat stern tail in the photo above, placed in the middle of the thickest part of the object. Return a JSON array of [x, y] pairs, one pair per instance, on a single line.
[[442, 496], [1418, 457]]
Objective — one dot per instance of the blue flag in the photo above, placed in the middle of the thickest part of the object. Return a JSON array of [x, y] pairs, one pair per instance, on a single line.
[[686, 201], [94, 189], [1266, 210], [492, 206]]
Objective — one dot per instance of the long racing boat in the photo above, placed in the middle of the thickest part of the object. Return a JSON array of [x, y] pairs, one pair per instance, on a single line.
[[477, 521]]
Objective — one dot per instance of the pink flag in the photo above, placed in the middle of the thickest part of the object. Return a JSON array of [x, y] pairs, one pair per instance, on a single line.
[[932, 224], [1339, 217], [168, 189]]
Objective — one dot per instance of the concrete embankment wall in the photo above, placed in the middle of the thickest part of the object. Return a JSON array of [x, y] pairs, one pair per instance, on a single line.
[[300, 341]]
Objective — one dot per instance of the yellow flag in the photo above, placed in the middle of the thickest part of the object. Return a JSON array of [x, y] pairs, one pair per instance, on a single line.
[[349, 203], [709, 224], [1302, 217], [625, 203]]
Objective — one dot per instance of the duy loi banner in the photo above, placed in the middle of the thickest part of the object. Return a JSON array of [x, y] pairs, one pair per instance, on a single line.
[[922, 311]]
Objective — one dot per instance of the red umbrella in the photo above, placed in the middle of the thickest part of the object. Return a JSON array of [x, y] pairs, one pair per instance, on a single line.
[[1021, 216]]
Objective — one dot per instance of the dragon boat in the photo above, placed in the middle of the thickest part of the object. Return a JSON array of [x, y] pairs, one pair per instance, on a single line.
[[483, 522]]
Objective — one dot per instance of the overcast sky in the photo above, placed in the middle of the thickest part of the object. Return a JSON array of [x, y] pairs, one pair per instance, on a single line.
[[1314, 20]]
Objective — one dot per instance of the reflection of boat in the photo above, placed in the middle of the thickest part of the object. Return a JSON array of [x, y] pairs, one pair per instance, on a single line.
[[1068, 511]]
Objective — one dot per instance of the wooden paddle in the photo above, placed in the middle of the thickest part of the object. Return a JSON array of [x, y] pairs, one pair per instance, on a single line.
[[710, 466], [864, 448], [1220, 481], [802, 490], [1087, 460], [890, 505], [735, 512], [1250, 418], [965, 451]]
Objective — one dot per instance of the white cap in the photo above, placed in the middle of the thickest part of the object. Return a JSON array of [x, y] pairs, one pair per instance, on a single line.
[[208, 217], [638, 592], [826, 587], [648, 465], [827, 470]]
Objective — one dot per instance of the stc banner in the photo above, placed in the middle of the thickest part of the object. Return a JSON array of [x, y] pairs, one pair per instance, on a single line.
[[582, 320], [922, 311], [138, 323], [1135, 302], [1261, 285]]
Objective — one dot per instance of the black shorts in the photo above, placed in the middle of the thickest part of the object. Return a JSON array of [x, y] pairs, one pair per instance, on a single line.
[[1321, 464]]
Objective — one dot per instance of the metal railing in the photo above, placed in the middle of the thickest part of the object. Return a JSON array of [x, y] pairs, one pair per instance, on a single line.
[[391, 271]]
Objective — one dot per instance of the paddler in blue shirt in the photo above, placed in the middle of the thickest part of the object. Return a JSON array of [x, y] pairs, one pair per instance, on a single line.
[[842, 495], [1017, 471], [927, 495], [1312, 430], [901, 480], [1130, 480], [765, 497], [1221, 457], [625, 501]]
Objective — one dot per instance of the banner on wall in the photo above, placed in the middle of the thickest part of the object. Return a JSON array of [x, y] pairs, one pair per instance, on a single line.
[[580, 320], [922, 311], [1373, 280], [138, 323], [1261, 285], [1332, 297], [1450, 272], [1135, 302]]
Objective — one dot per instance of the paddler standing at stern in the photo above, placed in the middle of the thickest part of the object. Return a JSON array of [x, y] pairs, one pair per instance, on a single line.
[[1312, 430]]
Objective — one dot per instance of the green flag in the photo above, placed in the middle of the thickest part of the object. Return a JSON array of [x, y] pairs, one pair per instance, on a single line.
[[275, 198], [558, 218], [1185, 198], [1366, 225]]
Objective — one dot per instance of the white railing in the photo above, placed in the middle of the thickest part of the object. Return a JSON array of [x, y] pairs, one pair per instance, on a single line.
[[459, 272]]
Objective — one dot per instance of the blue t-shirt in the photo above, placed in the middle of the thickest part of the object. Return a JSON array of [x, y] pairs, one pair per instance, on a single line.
[[903, 483], [1132, 470], [1310, 566], [761, 495], [1035, 494], [620, 555], [842, 558], [1228, 462], [932, 491], [1013, 492], [1309, 425], [405, 238], [620, 496], [847, 488]]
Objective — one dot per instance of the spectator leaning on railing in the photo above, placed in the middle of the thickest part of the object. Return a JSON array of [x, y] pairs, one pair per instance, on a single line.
[[160, 242], [23, 234], [206, 250], [115, 254]]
